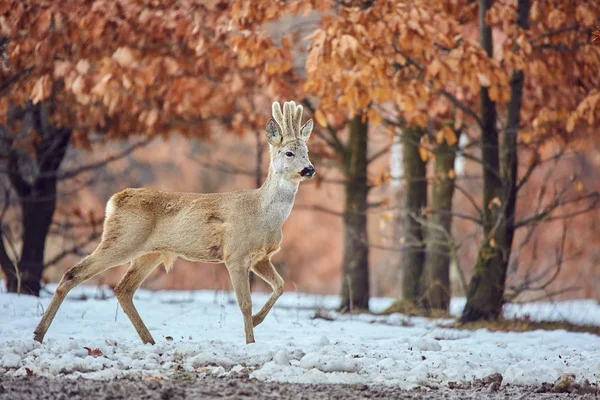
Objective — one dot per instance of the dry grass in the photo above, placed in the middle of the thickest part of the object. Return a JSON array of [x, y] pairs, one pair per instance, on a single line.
[[501, 325], [410, 309], [525, 325]]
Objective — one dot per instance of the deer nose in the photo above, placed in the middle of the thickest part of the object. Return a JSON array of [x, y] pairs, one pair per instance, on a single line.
[[308, 171]]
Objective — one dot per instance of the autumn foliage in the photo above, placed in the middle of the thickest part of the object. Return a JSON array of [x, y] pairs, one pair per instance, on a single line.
[[128, 67]]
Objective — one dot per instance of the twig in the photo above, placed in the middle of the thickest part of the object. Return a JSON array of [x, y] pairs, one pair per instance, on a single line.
[[89, 167]]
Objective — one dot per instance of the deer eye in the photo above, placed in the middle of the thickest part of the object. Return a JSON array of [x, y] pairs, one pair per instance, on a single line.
[[289, 154]]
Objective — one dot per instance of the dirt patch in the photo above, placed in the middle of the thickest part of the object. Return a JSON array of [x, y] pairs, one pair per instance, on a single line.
[[208, 387]]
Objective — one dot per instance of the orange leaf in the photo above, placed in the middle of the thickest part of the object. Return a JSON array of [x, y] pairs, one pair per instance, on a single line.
[[450, 136], [424, 154], [124, 56], [439, 136], [41, 89], [556, 18], [484, 81], [435, 67], [495, 201], [570, 124], [94, 352], [321, 118], [43, 21]]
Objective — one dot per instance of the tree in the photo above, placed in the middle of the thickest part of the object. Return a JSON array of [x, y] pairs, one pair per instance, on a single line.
[[415, 200], [350, 155], [419, 58], [435, 280], [487, 283], [117, 68], [536, 39], [355, 273]]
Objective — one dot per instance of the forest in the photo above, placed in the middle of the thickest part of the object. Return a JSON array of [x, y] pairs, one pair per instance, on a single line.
[[448, 245], [455, 140]]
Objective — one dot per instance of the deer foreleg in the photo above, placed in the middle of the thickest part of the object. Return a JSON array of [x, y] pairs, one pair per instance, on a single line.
[[268, 273], [240, 279]]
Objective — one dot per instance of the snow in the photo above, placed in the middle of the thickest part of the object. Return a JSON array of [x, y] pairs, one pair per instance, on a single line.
[[206, 336]]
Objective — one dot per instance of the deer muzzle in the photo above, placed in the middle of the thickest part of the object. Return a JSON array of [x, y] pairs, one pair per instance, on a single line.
[[308, 172]]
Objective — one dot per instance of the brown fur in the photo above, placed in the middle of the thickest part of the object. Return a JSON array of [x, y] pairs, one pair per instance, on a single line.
[[242, 229]]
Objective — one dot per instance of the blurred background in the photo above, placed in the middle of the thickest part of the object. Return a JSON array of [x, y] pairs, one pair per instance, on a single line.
[[435, 142]]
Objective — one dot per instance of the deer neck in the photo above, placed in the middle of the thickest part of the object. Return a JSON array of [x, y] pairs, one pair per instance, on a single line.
[[277, 196]]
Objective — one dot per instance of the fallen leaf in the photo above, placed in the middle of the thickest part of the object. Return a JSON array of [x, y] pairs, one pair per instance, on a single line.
[[169, 338], [94, 352]]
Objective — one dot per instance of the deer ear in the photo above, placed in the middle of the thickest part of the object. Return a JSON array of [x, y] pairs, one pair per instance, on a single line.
[[306, 130], [273, 133]]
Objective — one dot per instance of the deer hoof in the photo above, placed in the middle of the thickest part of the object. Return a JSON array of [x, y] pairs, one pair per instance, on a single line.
[[38, 336]]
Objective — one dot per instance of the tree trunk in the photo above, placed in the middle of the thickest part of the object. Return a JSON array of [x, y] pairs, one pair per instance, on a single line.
[[486, 294], [355, 277], [415, 198], [8, 267], [435, 280], [37, 212], [37, 197], [509, 144]]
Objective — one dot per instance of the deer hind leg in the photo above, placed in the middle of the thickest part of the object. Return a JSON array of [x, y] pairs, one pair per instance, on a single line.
[[240, 279], [138, 271], [268, 273], [103, 258]]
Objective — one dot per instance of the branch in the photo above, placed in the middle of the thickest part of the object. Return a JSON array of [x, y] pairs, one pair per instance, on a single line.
[[21, 186], [544, 216], [337, 145], [471, 199], [224, 167], [307, 207], [75, 249], [461, 106], [555, 32], [379, 153], [562, 48], [6, 263], [85, 168], [446, 94], [534, 164], [6, 84]]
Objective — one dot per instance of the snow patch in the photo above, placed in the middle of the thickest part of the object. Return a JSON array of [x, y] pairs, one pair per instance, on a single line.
[[207, 337]]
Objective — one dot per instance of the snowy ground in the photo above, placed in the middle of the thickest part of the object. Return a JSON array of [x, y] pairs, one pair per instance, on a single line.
[[203, 332]]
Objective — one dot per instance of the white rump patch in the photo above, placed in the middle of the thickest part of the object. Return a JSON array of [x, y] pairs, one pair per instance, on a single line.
[[110, 208]]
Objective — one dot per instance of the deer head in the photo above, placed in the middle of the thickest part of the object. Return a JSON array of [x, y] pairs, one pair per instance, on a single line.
[[287, 142]]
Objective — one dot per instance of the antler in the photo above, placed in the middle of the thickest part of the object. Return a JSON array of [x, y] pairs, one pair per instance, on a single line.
[[289, 120]]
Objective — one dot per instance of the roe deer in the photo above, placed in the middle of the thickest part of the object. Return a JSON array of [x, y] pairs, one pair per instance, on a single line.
[[241, 229]]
